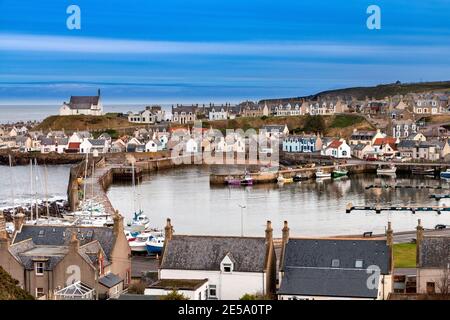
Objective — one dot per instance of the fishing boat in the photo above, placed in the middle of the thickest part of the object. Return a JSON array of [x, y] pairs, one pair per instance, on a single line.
[[321, 174], [445, 174], [282, 179], [387, 170], [130, 236], [140, 219], [232, 181], [422, 171], [299, 177], [140, 243], [247, 180], [155, 244], [339, 173]]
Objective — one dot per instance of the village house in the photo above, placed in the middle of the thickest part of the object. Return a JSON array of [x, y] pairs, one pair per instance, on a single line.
[[433, 262], [231, 266], [217, 112], [47, 259], [151, 115], [135, 145], [337, 149], [275, 131], [83, 105], [287, 110], [335, 268], [365, 137], [362, 151], [408, 149], [385, 147], [251, 109], [153, 145], [184, 114], [404, 128], [80, 136], [118, 146], [428, 104], [304, 143], [95, 146], [428, 150]]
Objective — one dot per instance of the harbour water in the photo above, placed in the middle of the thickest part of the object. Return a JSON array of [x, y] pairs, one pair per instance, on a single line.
[[15, 184], [313, 208]]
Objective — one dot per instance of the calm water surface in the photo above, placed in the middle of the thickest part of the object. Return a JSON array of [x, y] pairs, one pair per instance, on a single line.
[[312, 208], [16, 181]]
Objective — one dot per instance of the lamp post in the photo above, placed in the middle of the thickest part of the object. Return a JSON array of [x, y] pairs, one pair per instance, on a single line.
[[242, 218]]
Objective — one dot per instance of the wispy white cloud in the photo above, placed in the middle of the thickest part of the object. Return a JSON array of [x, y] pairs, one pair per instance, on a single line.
[[68, 44]]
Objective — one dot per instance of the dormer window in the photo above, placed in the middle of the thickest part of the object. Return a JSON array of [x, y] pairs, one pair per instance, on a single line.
[[227, 267]]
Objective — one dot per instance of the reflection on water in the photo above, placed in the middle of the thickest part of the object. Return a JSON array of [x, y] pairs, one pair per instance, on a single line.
[[311, 207]]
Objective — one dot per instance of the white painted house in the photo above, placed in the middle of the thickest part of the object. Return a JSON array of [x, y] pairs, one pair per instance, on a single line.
[[337, 149], [192, 146], [94, 146], [153, 145], [232, 266], [82, 105], [190, 289]]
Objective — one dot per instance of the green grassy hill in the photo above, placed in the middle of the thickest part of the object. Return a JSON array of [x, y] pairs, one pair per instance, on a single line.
[[9, 289], [377, 92]]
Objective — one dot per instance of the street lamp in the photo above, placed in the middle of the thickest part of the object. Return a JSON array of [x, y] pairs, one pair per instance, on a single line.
[[242, 218]]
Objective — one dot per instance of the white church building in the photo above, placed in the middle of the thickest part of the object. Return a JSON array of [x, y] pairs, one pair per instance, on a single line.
[[82, 105]]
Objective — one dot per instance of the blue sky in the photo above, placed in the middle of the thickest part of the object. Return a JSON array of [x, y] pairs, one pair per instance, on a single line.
[[169, 51]]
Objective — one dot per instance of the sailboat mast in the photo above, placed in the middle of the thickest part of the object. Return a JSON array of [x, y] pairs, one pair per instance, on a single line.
[[35, 189], [13, 196], [46, 193], [31, 189], [85, 177], [134, 187]]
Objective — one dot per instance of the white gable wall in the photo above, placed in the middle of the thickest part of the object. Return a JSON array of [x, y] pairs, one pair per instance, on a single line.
[[229, 286]]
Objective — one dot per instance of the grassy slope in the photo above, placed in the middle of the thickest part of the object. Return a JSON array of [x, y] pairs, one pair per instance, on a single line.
[[377, 92], [71, 123], [9, 289], [338, 125], [405, 255]]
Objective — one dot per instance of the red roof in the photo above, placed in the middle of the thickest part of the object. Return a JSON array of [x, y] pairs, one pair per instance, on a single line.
[[74, 145], [335, 144], [388, 140]]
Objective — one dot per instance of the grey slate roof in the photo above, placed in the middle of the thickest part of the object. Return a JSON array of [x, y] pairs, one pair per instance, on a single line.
[[320, 252], [207, 252], [327, 282], [83, 102], [434, 252], [407, 144], [110, 280], [308, 267], [97, 142], [60, 236]]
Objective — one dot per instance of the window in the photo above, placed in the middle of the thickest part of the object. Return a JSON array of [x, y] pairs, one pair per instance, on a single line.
[[227, 267], [335, 263], [431, 288], [39, 292], [358, 264], [212, 291], [39, 268]]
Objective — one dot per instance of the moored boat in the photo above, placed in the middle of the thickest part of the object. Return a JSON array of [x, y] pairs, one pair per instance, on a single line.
[[140, 243], [321, 174], [247, 181], [387, 170], [299, 177], [155, 244], [339, 173], [445, 174], [422, 171], [140, 219], [282, 179]]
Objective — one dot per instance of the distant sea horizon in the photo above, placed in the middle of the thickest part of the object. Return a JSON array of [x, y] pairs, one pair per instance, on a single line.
[[13, 113]]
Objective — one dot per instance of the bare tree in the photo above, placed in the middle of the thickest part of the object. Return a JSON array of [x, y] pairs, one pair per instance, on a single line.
[[444, 281]]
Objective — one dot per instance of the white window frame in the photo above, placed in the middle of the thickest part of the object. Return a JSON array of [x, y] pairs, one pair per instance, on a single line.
[[212, 287], [36, 268], [38, 295]]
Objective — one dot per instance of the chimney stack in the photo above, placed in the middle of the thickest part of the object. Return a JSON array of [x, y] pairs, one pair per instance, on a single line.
[[390, 235], [19, 218], [4, 241], [284, 241], [269, 232], [74, 243], [168, 230], [419, 238], [118, 223]]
